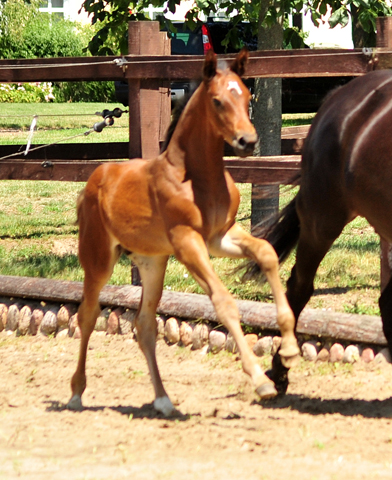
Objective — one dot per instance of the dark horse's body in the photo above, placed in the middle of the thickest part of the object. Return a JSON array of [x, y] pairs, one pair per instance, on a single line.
[[346, 171]]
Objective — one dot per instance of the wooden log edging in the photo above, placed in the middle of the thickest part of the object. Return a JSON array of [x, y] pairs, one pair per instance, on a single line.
[[345, 327]]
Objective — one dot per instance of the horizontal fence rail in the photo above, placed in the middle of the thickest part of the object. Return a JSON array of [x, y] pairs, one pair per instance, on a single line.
[[76, 162], [274, 63]]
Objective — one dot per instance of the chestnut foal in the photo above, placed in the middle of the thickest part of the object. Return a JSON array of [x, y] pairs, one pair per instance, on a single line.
[[181, 203]]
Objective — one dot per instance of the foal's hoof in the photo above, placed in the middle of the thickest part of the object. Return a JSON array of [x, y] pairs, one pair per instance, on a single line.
[[266, 391], [164, 405], [75, 404]]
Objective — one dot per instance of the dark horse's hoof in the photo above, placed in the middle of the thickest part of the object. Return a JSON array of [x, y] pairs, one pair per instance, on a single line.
[[279, 375]]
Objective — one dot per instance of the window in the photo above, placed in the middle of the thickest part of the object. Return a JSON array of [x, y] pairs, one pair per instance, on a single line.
[[54, 7]]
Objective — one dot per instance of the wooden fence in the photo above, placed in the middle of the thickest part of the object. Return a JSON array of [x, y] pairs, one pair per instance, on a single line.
[[148, 68]]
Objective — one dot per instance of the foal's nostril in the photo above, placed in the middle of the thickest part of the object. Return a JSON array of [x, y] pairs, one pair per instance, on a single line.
[[242, 142]]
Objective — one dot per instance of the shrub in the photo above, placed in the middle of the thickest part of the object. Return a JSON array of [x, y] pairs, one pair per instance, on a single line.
[[46, 36], [84, 91], [26, 92]]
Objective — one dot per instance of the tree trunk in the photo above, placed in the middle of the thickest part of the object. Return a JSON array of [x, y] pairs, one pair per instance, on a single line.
[[268, 122], [361, 39]]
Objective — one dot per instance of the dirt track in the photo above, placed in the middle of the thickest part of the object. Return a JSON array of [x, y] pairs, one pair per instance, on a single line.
[[335, 423]]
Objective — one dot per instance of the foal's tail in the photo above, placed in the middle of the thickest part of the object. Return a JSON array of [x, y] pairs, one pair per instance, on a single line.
[[79, 202], [282, 234]]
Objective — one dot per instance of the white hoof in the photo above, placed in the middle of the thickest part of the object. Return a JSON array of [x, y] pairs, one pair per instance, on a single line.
[[75, 403], [163, 405]]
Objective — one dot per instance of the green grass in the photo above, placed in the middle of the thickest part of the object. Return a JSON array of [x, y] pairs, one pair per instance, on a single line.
[[294, 119], [58, 121], [62, 121], [38, 236]]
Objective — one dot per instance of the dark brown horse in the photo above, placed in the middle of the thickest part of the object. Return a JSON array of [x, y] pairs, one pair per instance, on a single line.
[[346, 171], [184, 203]]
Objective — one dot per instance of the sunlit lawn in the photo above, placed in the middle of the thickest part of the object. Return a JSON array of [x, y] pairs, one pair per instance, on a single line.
[[38, 235]]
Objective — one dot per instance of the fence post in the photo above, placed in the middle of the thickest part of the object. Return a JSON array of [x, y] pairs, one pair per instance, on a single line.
[[149, 99], [384, 40]]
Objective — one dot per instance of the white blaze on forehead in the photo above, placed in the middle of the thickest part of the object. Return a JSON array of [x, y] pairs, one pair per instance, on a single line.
[[233, 85]]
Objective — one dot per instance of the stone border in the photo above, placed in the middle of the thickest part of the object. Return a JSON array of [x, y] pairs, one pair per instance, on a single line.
[[18, 317]]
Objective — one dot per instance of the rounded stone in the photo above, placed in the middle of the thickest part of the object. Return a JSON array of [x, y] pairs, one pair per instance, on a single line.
[[323, 355], [64, 314], [12, 318], [217, 341], [25, 321], [231, 345], [251, 339], [309, 351], [127, 322], [64, 333], [49, 323], [101, 324], [160, 328], [114, 322], [186, 332], [351, 354], [367, 355], [73, 323], [263, 346], [336, 353], [37, 317], [172, 331], [200, 336], [3, 316], [77, 334], [383, 356]]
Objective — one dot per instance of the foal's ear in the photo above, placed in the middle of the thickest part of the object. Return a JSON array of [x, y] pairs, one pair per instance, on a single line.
[[209, 70], [238, 65]]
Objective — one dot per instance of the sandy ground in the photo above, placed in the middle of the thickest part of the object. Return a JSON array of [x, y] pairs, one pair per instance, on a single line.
[[335, 423]]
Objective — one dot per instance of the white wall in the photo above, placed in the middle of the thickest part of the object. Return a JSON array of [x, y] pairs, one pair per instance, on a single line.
[[322, 36], [326, 37], [67, 8]]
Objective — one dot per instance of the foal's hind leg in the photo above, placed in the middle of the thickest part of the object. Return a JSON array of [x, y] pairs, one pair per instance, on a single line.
[[152, 272], [238, 243], [191, 250], [97, 257]]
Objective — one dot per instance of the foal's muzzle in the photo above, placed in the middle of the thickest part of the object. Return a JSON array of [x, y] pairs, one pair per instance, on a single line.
[[244, 144]]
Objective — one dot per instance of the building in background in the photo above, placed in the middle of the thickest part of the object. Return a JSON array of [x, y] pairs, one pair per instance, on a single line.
[[321, 37], [67, 9]]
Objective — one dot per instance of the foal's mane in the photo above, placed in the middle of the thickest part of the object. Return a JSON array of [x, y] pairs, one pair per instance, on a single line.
[[176, 114]]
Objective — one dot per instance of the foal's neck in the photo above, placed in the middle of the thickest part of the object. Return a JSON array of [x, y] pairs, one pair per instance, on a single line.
[[196, 147]]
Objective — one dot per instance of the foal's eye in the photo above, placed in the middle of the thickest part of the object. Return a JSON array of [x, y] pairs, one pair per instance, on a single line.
[[217, 102]]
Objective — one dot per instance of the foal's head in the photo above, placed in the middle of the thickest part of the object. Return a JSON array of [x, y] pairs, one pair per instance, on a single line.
[[229, 103]]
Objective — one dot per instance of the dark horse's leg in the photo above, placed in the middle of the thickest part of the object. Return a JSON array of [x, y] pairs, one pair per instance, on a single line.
[[385, 303], [320, 224]]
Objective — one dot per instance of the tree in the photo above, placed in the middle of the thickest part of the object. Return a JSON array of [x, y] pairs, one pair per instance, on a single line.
[[113, 16], [25, 32], [268, 18]]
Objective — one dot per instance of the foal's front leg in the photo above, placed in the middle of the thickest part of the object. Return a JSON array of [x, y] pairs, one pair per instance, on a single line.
[[152, 272], [237, 243], [191, 250]]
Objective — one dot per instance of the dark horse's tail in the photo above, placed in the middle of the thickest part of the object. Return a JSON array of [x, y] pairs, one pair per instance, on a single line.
[[282, 234]]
